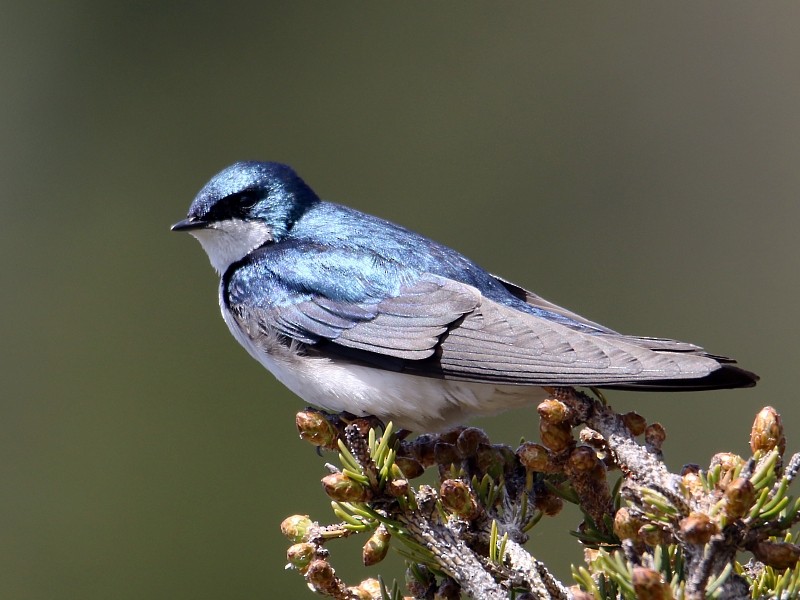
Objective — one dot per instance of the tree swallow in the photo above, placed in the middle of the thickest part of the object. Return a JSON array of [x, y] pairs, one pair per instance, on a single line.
[[354, 313]]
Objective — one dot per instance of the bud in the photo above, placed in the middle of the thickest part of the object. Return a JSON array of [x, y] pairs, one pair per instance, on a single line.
[[508, 457], [410, 467], [592, 438], [693, 484], [654, 435], [446, 454], [698, 528], [296, 527], [316, 429], [739, 498], [590, 555], [635, 423], [369, 589], [458, 498], [549, 504], [582, 460], [468, 441], [690, 468], [728, 462], [767, 432], [321, 576], [301, 555], [397, 487], [536, 457], [653, 536], [422, 449], [647, 585], [341, 488], [556, 436], [778, 555], [377, 546], [450, 437], [490, 460], [626, 525], [553, 411]]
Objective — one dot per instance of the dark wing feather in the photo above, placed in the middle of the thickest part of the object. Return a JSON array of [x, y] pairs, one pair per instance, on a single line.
[[498, 343]]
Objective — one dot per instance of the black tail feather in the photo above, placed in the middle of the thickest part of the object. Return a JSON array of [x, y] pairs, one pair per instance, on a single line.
[[726, 377]]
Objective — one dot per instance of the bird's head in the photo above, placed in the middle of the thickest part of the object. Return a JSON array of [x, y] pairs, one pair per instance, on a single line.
[[243, 207]]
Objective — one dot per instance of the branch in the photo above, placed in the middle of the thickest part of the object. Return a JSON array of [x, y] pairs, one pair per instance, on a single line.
[[678, 536]]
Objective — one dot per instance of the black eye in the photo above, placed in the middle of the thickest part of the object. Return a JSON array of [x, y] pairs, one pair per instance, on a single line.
[[246, 200]]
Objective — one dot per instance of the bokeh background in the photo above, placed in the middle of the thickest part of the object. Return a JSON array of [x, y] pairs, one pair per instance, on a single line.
[[636, 162]]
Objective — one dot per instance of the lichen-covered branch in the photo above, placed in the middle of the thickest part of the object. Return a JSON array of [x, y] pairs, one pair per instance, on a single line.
[[656, 534]]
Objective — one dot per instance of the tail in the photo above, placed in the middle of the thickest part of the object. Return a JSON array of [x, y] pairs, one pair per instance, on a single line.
[[727, 376]]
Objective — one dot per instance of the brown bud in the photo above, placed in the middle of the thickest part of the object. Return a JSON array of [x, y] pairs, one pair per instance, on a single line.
[[582, 460], [376, 547], [688, 468], [536, 457], [397, 487], [778, 555], [296, 527], [321, 576], [626, 524], [468, 441], [592, 438], [590, 555], [653, 535], [410, 467], [490, 460], [654, 435], [648, 585], [634, 422], [698, 528], [553, 411], [301, 555], [422, 449], [556, 436], [369, 589], [508, 457], [316, 429], [446, 454], [341, 488], [739, 498], [767, 432], [458, 498], [549, 504], [451, 436], [693, 484], [728, 462]]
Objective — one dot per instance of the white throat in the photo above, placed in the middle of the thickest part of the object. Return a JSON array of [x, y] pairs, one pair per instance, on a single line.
[[229, 241]]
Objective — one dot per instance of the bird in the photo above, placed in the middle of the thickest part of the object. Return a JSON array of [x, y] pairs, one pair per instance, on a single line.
[[357, 314]]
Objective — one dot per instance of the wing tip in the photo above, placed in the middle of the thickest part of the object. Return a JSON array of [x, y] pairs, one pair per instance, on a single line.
[[726, 377]]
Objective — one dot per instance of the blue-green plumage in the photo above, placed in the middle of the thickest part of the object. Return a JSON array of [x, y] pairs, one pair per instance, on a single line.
[[355, 313]]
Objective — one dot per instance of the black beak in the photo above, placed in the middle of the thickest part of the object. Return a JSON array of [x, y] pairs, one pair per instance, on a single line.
[[189, 224]]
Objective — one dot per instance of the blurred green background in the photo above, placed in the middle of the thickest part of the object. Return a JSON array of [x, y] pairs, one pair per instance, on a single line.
[[637, 163]]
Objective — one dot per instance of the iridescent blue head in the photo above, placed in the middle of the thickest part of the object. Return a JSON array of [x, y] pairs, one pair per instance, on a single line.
[[244, 207]]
